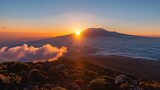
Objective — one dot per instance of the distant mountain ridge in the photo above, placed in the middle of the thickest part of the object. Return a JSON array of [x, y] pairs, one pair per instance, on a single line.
[[95, 32], [87, 33], [66, 39]]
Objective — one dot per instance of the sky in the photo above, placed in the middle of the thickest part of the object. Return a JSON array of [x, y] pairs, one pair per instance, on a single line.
[[59, 17]]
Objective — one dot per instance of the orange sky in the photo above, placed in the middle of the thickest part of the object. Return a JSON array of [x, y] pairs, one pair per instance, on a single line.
[[14, 33], [51, 18]]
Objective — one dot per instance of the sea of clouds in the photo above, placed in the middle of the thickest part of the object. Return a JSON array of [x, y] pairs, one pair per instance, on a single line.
[[135, 47], [27, 53]]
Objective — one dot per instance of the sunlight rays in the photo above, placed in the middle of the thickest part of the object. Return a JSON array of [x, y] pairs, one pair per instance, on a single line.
[[78, 39]]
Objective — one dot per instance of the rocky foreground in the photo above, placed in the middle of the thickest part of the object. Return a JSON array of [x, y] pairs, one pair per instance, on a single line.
[[66, 74]]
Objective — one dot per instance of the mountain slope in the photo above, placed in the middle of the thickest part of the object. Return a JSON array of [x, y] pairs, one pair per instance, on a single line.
[[87, 34]]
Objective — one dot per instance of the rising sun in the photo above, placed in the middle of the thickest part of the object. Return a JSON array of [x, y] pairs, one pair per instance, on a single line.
[[78, 33]]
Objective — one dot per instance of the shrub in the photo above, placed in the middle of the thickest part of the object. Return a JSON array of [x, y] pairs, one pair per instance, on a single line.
[[36, 76], [101, 84], [79, 82], [149, 85], [31, 86], [17, 67], [155, 86], [38, 66], [34, 72], [89, 75], [47, 86], [121, 79], [124, 86], [16, 79], [72, 86], [109, 79], [58, 88], [4, 79]]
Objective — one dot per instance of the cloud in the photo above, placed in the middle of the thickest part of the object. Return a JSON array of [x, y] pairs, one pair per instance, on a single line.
[[25, 53], [3, 27]]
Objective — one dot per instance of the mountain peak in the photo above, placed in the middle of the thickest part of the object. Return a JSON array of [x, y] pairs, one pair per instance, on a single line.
[[95, 29], [89, 30], [99, 32]]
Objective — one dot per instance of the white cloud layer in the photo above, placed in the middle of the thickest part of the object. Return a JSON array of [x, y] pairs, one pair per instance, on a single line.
[[25, 53]]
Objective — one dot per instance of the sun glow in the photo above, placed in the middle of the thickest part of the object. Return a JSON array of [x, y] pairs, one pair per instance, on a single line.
[[78, 32], [79, 39]]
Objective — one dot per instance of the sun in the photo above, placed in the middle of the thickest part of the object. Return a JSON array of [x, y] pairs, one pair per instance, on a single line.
[[78, 33]]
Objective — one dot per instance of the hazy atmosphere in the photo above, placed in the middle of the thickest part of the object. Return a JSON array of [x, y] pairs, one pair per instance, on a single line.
[[138, 17], [79, 44]]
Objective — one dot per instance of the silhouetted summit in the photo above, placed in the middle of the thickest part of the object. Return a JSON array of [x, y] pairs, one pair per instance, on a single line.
[[94, 32]]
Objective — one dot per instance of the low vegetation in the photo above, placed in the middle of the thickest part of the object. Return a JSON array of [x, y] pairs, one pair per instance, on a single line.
[[66, 74]]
